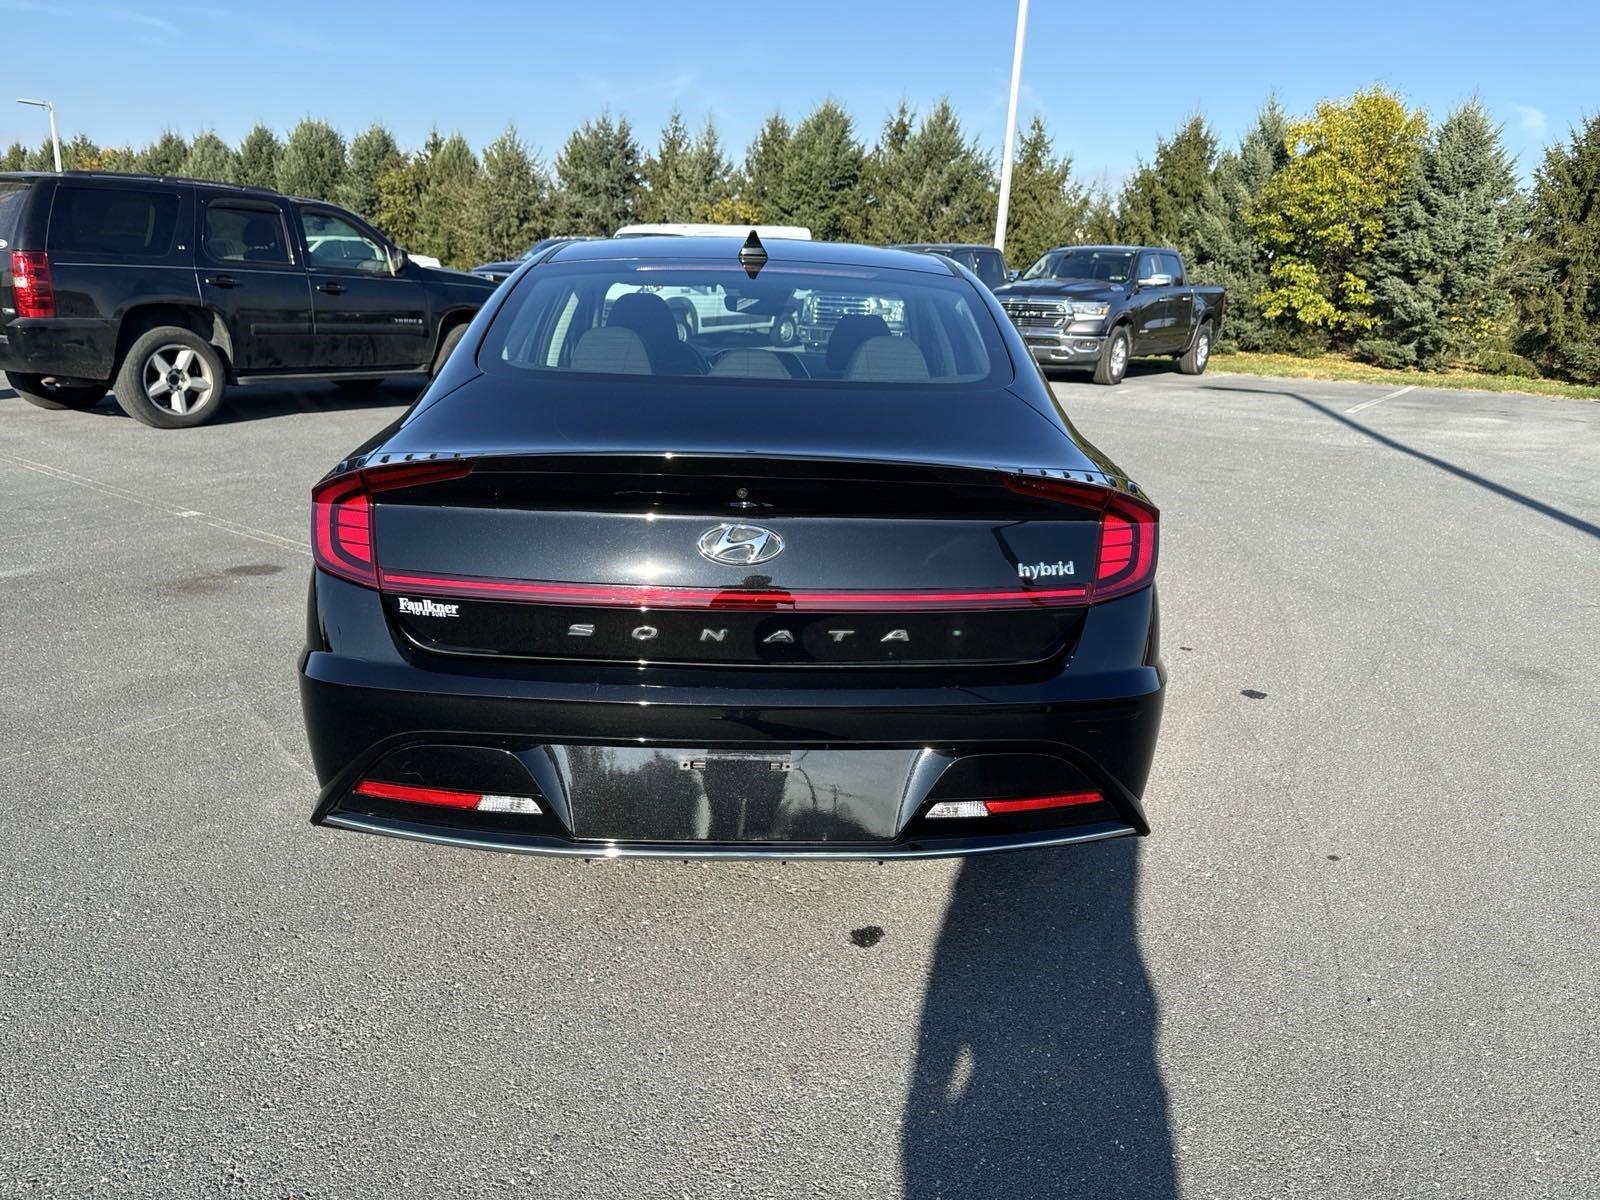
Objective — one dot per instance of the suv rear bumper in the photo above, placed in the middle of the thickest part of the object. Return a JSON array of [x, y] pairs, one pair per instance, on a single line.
[[71, 347]]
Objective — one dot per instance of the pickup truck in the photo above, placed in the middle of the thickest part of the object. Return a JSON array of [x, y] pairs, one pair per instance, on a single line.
[[1100, 306]]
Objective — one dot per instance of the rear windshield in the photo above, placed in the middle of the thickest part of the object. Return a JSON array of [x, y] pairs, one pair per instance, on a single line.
[[113, 221], [12, 197], [795, 324]]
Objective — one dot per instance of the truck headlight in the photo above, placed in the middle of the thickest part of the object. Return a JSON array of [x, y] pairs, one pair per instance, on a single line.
[[1082, 311]]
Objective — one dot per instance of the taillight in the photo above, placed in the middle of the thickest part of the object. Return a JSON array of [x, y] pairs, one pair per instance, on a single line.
[[341, 513], [448, 797], [1129, 531], [34, 294], [947, 809]]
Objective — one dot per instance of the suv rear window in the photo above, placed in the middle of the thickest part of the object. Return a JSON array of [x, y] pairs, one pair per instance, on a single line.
[[13, 195], [794, 325], [113, 221]]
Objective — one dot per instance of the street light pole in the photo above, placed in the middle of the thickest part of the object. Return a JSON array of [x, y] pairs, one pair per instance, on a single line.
[[1011, 130], [55, 138]]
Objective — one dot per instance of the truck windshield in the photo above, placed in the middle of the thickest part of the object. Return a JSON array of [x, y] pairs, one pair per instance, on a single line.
[[1107, 266]]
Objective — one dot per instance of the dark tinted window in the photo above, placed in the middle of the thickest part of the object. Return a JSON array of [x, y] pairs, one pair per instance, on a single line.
[[795, 325], [1149, 266], [245, 235], [1172, 265], [12, 197], [113, 221], [989, 266]]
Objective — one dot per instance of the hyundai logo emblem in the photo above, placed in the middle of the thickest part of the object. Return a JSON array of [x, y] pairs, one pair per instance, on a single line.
[[740, 545]]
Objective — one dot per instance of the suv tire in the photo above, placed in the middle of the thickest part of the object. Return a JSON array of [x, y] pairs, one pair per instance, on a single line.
[[450, 342], [1195, 358], [171, 378], [1113, 364], [36, 389]]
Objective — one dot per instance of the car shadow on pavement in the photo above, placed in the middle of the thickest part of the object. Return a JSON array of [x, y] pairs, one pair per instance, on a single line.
[[1499, 489], [1035, 1071]]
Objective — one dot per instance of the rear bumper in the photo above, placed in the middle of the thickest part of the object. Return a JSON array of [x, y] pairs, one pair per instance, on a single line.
[[73, 347], [814, 763]]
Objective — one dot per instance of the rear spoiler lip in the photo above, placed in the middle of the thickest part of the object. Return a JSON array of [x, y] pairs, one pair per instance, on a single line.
[[485, 462]]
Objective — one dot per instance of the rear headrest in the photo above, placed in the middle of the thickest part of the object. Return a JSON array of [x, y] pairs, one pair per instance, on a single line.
[[750, 364], [848, 335], [888, 360], [611, 350], [646, 314]]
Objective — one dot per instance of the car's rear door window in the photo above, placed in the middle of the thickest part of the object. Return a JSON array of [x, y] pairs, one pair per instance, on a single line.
[[241, 233], [705, 320], [113, 222]]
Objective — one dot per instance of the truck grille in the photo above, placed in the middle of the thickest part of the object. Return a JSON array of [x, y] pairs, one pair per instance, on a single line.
[[1035, 314], [830, 309]]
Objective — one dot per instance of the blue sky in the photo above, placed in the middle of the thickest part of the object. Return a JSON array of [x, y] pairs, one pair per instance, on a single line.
[[1108, 78]]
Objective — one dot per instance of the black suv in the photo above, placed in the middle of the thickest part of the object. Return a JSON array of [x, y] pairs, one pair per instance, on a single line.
[[166, 290]]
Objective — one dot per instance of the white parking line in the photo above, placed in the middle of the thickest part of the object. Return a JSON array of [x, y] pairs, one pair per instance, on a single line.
[[1410, 387], [189, 514]]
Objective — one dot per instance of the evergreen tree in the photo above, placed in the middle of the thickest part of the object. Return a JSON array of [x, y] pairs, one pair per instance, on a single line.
[[762, 183], [1100, 218], [80, 154], [1322, 216], [669, 193], [164, 156], [371, 154], [400, 200], [890, 213], [821, 184], [1561, 309], [1441, 279], [258, 157], [508, 205], [708, 172], [448, 185], [1047, 207], [1161, 202], [211, 158], [312, 162], [119, 158], [1226, 250], [16, 158], [599, 178]]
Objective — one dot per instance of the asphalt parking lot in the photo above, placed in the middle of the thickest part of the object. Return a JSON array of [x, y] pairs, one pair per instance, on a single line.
[[1356, 959]]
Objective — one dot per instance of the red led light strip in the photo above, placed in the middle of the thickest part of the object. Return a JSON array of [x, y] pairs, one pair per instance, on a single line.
[[630, 596], [1035, 803]]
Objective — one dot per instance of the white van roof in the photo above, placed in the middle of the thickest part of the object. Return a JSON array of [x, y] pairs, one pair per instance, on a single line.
[[797, 232]]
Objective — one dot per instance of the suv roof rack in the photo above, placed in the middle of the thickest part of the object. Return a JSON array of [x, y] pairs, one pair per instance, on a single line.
[[149, 177]]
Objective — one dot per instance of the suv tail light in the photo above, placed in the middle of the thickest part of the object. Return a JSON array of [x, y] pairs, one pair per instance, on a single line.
[[341, 513], [35, 295], [1129, 531]]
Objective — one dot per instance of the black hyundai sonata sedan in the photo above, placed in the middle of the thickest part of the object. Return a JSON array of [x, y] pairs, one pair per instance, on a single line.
[[610, 590]]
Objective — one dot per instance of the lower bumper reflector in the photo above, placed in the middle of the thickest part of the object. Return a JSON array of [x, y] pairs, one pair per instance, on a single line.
[[447, 797], [991, 808]]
